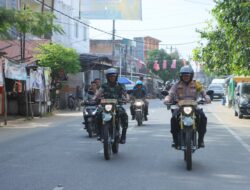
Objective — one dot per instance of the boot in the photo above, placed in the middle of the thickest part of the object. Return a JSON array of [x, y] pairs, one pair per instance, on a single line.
[[175, 141], [133, 117], [123, 137], [201, 141]]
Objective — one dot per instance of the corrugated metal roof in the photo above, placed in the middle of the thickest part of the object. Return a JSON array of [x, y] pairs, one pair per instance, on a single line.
[[12, 49]]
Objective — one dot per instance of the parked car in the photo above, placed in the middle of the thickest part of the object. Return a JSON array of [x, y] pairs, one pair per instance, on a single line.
[[218, 90], [242, 100]]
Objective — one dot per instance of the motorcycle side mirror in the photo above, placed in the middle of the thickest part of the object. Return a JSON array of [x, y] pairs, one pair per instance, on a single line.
[[82, 103], [210, 92], [164, 93]]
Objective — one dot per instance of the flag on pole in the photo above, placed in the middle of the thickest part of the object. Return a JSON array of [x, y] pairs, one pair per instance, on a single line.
[[164, 64], [156, 66], [173, 66], [139, 63]]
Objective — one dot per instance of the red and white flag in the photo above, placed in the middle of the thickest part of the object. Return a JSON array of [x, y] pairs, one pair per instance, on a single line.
[[173, 66], [139, 63], [156, 66], [164, 64]]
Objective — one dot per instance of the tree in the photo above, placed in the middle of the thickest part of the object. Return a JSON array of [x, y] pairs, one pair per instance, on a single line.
[[58, 58], [160, 56], [227, 50], [27, 21], [6, 21]]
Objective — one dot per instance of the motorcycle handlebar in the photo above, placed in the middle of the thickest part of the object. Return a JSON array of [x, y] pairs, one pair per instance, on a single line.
[[89, 103]]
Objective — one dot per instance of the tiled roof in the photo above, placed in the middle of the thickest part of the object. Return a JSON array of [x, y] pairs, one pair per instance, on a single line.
[[12, 49]]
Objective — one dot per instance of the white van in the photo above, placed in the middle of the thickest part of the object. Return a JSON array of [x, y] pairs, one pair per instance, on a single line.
[[218, 81]]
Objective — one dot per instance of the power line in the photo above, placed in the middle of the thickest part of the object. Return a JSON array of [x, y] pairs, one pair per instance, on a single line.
[[150, 29], [100, 30], [167, 28], [197, 2]]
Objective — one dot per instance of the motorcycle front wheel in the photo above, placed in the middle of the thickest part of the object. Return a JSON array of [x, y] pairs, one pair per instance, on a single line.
[[138, 117], [106, 141], [188, 150], [89, 129]]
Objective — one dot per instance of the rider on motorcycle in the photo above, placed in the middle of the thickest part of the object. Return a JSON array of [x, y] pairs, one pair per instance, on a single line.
[[113, 90], [139, 92], [88, 97], [91, 91], [187, 89]]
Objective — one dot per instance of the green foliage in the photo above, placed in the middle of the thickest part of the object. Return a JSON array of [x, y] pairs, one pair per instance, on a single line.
[[228, 48], [27, 21], [6, 21], [160, 55], [58, 58]]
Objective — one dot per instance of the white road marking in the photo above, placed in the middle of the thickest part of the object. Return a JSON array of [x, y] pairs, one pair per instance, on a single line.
[[59, 187], [236, 136]]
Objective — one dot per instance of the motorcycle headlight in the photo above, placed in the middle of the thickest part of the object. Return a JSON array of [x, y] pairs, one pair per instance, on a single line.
[[86, 112], [138, 103], [187, 110], [108, 107], [94, 112]]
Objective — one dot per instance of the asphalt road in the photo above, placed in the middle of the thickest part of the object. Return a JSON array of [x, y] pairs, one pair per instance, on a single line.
[[56, 154]]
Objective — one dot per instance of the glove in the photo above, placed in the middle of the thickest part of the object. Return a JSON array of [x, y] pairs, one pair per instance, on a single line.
[[207, 99], [167, 100]]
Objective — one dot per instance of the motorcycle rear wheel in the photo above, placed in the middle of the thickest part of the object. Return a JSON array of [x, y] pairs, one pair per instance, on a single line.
[[115, 145], [106, 141]]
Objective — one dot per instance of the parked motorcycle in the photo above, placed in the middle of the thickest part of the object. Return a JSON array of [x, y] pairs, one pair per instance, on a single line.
[[89, 116], [111, 126], [139, 109], [71, 102]]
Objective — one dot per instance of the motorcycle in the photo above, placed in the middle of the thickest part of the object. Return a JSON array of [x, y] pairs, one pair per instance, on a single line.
[[139, 109], [71, 102], [89, 114], [111, 126], [188, 134]]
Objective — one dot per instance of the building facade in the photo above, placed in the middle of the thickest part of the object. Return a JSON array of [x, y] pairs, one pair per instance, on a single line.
[[76, 30]]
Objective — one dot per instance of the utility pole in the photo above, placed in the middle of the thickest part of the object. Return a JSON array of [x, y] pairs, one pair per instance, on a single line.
[[113, 42], [125, 58]]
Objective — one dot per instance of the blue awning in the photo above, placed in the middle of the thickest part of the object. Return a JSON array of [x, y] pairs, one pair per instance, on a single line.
[[124, 80]]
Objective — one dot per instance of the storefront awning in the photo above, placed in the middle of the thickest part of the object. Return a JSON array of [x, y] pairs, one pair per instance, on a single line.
[[95, 62]]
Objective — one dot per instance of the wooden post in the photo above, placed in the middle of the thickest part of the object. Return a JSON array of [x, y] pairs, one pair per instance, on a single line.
[[5, 99]]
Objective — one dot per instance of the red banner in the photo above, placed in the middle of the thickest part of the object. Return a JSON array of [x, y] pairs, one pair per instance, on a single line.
[[173, 66]]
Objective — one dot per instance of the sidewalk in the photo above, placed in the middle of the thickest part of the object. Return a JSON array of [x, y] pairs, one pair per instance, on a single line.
[[23, 122], [226, 114]]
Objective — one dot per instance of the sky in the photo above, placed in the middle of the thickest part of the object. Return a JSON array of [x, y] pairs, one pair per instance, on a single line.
[[173, 22]]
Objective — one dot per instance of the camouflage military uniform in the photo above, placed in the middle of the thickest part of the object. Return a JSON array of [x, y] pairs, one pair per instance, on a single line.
[[114, 92]]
